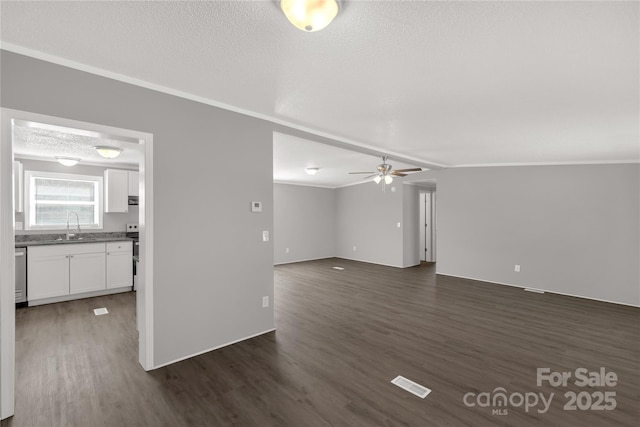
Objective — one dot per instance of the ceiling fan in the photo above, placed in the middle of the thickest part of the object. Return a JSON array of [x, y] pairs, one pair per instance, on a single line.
[[386, 172]]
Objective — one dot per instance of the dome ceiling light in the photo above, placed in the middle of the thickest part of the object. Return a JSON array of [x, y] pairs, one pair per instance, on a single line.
[[108, 152], [310, 15], [311, 171], [67, 161]]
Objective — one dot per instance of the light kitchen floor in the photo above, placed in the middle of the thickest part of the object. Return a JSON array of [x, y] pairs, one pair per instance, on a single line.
[[342, 336]]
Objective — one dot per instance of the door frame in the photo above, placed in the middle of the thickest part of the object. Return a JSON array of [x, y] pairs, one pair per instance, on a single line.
[[144, 294]]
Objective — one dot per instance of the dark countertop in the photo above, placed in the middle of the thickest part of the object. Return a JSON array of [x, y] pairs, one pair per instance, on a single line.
[[59, 239]]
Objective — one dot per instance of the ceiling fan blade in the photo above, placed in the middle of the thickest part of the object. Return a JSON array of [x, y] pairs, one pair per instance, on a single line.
[[396, 173], [409, 170], [370, 176], [351, 173]]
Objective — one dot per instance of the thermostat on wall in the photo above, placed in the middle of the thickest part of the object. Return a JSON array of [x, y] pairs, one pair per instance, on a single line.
[[256, 206]]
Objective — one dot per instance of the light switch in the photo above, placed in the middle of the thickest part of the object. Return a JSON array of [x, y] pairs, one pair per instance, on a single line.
[[256, 206], [398, 225], [265, 236]]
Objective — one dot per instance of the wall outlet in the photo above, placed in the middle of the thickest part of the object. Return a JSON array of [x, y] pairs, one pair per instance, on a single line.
[[265, 236], [517, 268], [132, 227], [354, 248], [286, 251], [256, 206], [265, 302]]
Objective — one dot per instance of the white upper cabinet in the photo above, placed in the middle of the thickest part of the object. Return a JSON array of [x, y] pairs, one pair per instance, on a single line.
[[116, 188], [134, 179]]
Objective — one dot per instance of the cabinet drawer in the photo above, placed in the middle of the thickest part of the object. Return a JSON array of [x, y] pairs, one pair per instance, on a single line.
[[85, 248], [120, 247]]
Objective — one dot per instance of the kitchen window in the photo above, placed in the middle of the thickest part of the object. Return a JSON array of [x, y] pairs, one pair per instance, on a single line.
[[51, 196]]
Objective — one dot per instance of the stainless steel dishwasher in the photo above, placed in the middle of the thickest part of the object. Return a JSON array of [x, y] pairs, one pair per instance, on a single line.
[[21, 275]]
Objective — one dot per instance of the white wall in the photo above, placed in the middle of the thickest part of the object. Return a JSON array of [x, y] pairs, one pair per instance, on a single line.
[[367, 217], [573, 229], [303, 222], [112, 222], [211, 268], [411, 225]]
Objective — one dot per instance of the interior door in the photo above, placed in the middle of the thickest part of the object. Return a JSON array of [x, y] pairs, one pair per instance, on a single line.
[[428, 227], [423, 236]]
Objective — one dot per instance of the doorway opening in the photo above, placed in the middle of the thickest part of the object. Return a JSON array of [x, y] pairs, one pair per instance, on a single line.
[[428, 223], [72, 135]]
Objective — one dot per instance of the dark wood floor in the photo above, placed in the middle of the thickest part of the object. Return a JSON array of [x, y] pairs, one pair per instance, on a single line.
[[341, 337]]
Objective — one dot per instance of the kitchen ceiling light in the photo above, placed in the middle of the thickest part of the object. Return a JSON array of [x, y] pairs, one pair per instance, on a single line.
[[311, 171], [310, 15], [108, 152], [67, 161]]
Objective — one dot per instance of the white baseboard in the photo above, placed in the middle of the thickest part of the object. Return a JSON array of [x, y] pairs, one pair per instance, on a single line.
[[539, 289], [370, 262], [212, 348], [302, 260], [32, 303], [350, 259]]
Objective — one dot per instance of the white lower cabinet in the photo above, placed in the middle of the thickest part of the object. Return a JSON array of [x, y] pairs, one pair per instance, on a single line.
[[64, 270], [47, 274], [86, 272], [119, 264]]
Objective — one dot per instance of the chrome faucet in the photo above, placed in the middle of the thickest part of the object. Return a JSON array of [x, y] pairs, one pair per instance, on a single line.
[[71, 235]]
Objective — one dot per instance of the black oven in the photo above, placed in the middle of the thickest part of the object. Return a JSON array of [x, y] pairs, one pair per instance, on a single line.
[[136, 253]]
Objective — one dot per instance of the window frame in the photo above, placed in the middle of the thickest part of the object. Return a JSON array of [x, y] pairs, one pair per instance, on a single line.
[[29, 199]]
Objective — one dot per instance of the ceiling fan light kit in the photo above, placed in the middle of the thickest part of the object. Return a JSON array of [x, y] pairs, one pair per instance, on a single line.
[[310, 15], [108, 152], [385, 173]]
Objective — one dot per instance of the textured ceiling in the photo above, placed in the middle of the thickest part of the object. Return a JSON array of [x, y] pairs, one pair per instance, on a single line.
[[33, 142], [291, 155], [452, 83]]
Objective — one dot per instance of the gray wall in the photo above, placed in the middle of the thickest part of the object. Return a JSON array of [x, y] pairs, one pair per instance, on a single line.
[[411, 225], [366, 217], [573, 229], [304, 222], [211, 267], [111, 222]]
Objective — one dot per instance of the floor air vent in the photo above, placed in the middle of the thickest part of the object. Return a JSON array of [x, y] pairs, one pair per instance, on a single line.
[[536, 291], [411, 387], [100, 311]]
